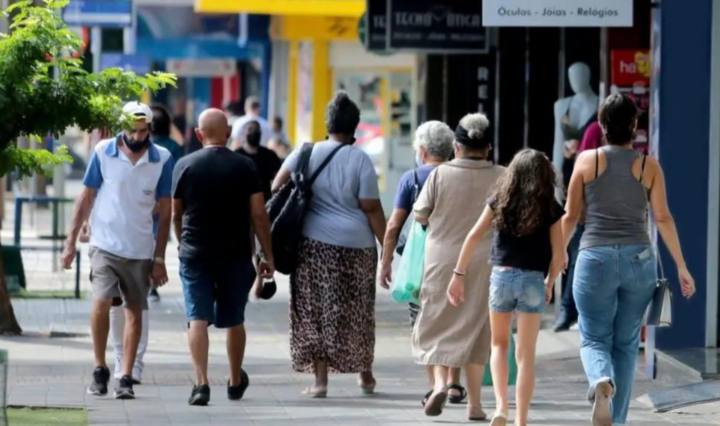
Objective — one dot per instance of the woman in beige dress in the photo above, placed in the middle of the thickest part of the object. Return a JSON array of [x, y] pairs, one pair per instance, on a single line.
[[450, 203]]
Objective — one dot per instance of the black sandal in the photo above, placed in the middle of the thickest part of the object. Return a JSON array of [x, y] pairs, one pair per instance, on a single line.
[[457, 399], [427, 396]]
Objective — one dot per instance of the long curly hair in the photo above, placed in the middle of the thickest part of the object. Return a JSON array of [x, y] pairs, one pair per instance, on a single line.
[[524, 194]]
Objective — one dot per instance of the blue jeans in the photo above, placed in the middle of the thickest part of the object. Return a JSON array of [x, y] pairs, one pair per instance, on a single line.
[[613, 286], [513, 289], [568, 301]]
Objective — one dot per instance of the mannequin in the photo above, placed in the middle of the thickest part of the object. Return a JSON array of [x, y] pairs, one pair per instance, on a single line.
[[574, 114]]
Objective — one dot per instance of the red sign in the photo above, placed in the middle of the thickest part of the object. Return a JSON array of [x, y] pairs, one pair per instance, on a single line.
[[631, 68]]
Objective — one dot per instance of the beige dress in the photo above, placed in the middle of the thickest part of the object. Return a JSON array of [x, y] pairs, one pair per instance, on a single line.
[[452, 200]]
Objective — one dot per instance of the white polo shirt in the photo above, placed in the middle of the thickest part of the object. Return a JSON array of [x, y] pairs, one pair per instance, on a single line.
[[122, 222]]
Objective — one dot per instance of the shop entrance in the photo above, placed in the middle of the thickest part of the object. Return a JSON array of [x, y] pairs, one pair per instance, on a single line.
[[385, 99]]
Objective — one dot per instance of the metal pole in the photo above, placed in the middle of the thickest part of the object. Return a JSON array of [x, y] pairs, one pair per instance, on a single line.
[[96, 47]]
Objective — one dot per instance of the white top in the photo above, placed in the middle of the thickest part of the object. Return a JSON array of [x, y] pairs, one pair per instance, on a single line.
[[239, 124], [122, 222]]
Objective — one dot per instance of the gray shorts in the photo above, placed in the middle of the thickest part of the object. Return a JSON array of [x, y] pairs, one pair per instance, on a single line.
[[112, 276]]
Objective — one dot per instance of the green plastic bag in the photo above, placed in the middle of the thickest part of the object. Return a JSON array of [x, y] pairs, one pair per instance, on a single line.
[[408, 279], [512, 367]]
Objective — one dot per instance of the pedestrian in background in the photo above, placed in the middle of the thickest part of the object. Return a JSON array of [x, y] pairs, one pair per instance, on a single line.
[[127, 176], [433, 146], [616, 273], [233, 111], [332, 320], [217, 202], [450, 203], [527, 257], [253, 109], [593, 139], [266, 161]]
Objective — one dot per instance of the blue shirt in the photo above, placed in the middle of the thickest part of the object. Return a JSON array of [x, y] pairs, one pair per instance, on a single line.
[[404, 197]]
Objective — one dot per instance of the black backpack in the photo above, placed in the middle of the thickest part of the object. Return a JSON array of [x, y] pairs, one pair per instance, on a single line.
[[287, 208]]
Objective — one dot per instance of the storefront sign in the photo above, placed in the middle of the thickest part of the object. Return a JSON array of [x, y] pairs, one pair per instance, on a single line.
[[631, 68], [486, 85], [202, 68], [98, 13], [558, 13], [443, 27], [375, 20], [139, 64]]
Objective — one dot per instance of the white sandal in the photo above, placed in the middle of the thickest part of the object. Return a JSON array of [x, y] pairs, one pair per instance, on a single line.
[[499, 419]]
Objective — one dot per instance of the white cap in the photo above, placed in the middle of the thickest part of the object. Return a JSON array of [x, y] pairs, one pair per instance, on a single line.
[[138, 110]]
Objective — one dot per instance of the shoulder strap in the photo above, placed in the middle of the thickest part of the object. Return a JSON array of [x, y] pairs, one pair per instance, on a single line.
[[324, 164], [597, 162], [416, 186], [304, 161], [642, 170]]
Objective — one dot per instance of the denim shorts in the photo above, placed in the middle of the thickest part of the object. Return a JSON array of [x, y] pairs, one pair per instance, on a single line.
[[217, 291], [513, 289]]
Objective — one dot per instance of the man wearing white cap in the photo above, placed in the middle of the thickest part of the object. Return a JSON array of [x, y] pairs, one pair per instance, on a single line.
[[126, 177]]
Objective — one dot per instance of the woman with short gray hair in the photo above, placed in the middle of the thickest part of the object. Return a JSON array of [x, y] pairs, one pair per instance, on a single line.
[[433, 146], [450, 203]]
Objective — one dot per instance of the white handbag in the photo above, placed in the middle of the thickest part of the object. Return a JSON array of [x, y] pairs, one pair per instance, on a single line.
[[659, 312]]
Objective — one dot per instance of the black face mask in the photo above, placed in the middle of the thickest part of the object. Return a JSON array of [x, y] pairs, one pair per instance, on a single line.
[[134, 145], [253, 138]]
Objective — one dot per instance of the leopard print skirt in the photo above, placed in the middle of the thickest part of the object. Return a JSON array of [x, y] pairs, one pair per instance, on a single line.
[[332, 308]]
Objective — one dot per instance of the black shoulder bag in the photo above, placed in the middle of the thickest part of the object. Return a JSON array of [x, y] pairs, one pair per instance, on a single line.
[[287, 210]]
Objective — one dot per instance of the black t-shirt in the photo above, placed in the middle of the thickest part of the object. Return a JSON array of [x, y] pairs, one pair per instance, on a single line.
[[530, 252], [268, 165], [215, 185]]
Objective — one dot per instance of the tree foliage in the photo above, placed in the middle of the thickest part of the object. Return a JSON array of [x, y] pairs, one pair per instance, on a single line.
[[43, 90]]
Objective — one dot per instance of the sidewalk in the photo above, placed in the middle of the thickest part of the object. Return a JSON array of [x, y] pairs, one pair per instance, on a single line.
[[54, 372]]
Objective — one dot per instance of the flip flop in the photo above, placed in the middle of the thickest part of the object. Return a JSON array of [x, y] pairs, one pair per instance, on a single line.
[[435, 404], [457, 399], [476, 414], [368, 389], [499, 419], [427, 396], [314, 394]]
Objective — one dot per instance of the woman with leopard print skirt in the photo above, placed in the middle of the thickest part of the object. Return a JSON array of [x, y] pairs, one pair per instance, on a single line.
[[332, 315]]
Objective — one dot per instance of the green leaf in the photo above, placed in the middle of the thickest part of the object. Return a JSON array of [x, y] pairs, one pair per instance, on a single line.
[[57, 4], [34, 103], [18, 5]]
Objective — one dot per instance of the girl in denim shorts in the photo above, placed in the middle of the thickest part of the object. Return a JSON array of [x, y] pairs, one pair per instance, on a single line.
[[527, 256]]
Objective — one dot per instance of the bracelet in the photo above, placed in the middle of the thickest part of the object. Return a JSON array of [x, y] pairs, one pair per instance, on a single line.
[[459, 273]]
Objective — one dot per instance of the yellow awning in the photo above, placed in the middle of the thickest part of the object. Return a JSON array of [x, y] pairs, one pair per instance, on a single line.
[[341, 8]]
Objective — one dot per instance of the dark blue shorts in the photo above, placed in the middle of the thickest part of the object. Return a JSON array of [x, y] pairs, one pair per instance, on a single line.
[[217, 290]]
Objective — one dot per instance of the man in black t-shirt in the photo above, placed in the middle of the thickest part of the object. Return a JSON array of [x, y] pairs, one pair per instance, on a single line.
[[267, 162], [217, 201]]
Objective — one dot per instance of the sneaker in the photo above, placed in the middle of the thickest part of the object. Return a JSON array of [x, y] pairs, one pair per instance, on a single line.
[[200, 396], [124, 389], [563, 323], [154, 296], [236, 393], [99, 387]]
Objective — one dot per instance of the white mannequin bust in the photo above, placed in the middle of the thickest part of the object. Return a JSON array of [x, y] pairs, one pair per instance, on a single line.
[[579, 109]]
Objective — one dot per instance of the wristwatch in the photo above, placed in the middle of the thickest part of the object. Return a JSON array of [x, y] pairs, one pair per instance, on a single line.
[[159, 261]]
